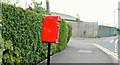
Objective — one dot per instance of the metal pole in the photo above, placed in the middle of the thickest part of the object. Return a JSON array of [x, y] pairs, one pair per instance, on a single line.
[[114, 22], [118, 31], [25, 4], [48, 58], [78, 28], [47, 6], [14, 1]]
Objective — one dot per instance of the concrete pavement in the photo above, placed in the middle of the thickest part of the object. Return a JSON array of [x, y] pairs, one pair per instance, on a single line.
[[81, 52]]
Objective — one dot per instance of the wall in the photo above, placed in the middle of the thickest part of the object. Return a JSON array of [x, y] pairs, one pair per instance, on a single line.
[[84, 29], [74, 28], [91, 29], [104, 31]]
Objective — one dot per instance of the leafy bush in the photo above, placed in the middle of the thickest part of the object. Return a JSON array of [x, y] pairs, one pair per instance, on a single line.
[[1, 51], [69, 31], [63, 35], [23, 28], [7, 48], [118, 31], [37, 7], [6, 52]]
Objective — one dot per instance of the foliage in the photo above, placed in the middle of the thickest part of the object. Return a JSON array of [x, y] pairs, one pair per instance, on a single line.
[[10, 1], [8, 55], [69, 31], [63, 38], [0, 10], [118, 31], [23, 28], [78, 18], [84, 33], [38, 8], [63, 35], [6, 52], [1, 51]]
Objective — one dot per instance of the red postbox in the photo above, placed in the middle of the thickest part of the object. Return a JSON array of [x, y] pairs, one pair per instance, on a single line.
[[50, 29]]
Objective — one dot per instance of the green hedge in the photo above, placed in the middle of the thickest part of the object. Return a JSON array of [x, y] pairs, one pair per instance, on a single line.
[[23, 28], [69, 31], [1, 51], [7, 48], [63, 35]]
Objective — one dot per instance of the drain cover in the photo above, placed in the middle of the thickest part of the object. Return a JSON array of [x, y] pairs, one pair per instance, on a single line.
[[84, 51]]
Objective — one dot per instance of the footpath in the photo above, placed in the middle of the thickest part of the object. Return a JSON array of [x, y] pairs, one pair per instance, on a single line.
[[79, 53]]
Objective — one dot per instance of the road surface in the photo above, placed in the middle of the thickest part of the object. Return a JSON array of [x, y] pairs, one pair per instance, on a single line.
[[111, 43], [82, 50]]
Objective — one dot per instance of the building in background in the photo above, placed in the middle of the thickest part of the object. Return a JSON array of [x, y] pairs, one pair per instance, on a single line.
[[68, 18]]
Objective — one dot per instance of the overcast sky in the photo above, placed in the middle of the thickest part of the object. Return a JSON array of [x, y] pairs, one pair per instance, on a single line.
[[101, 11]]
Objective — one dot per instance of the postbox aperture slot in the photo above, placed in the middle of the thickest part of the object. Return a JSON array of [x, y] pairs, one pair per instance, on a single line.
[[59, 21]]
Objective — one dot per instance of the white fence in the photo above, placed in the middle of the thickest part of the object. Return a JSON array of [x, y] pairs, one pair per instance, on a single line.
[[84, 29]]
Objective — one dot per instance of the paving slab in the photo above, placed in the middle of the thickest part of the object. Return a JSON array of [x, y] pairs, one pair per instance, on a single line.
[[82, 54]]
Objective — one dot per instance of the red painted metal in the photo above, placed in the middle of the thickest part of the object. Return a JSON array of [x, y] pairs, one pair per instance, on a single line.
[[50, 29]]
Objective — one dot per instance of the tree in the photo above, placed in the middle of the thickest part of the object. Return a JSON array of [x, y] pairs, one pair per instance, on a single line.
[[10, 1], [38, 8], [78, 22], [78, 18], [0, 10]]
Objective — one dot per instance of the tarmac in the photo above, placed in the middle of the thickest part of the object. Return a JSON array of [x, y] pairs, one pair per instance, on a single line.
[[79, 53]]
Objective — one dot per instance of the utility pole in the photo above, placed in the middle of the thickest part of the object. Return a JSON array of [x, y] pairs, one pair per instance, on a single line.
[[47, 6], [14, 2], [25, 4], [118, 31], [114, 22]]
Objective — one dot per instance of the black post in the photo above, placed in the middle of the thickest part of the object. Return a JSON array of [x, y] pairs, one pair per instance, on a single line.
[[48, 58]]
